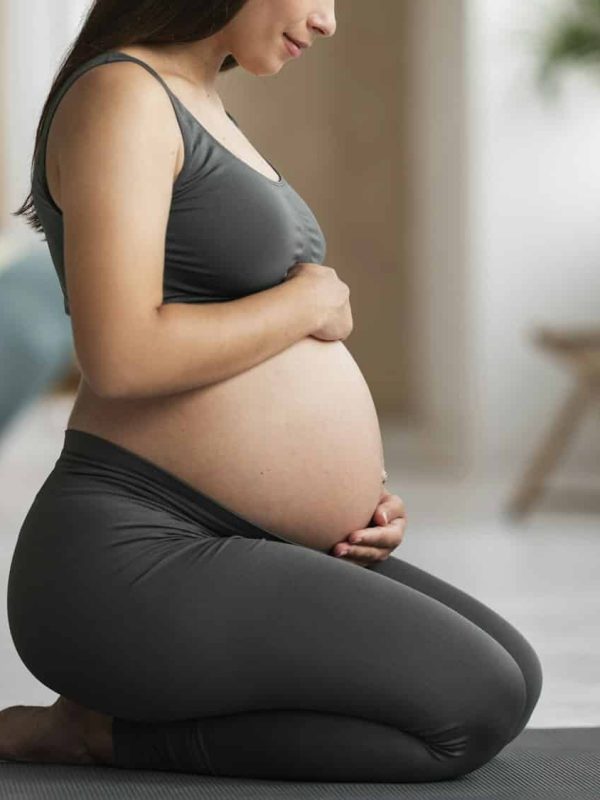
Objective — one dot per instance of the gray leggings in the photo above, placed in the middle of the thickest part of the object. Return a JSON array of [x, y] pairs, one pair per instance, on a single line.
[[223, 650]]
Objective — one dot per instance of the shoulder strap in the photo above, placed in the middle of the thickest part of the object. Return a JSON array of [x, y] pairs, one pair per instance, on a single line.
[[103, 58], [117, 55], [186, 120], [61, 91]]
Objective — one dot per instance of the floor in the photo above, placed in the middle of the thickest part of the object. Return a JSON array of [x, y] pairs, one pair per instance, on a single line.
[[540, 574]]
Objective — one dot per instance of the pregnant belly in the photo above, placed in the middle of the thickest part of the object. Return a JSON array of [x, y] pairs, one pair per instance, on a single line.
[[292, 444]]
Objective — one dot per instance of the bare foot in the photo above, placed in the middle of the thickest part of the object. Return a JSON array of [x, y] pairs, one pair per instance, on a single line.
[[63, 733]]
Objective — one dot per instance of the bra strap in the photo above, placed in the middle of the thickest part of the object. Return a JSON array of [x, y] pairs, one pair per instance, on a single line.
[[106, 58], [117, 55]]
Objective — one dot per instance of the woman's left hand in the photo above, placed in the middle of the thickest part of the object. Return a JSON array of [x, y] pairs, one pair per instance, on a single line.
[[377, 542]]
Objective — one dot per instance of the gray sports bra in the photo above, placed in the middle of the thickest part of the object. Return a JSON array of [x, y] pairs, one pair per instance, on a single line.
[[232, 231]]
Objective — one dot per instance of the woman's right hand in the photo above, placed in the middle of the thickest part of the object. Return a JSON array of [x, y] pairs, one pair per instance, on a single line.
[[331, 297]]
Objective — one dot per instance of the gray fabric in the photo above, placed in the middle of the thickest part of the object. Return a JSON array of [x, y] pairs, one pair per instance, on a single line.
[[232, 231], [223, 650], [541, 764]]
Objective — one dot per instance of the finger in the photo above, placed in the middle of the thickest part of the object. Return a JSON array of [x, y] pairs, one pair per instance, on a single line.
[[367, 553], [364, 532], [391, 508], [382, 536], [345, 550], [384, 499]]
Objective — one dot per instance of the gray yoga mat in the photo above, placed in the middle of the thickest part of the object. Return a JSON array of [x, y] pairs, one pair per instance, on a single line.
[[540, 764]]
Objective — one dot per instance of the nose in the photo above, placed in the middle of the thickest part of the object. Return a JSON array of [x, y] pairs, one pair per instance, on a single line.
[[325, 25]]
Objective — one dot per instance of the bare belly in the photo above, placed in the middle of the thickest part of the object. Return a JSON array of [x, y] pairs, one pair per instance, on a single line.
[[292, 444]]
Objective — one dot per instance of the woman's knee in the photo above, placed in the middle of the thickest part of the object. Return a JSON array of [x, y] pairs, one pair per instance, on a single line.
[[531, 669], [493, 714]]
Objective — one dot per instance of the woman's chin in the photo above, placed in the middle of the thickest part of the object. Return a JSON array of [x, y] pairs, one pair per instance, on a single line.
[[259, 68]]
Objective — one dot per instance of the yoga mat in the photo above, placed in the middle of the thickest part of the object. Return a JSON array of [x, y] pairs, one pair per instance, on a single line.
[[540, 764]]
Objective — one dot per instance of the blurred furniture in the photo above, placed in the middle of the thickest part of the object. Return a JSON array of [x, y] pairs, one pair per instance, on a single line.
[[36, 342], [68, 384], [579, 351]]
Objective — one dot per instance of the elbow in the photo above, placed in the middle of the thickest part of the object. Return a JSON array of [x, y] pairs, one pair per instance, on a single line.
[[121, 364], [113, 382], [107, 388], [117, 364], [109, 391]]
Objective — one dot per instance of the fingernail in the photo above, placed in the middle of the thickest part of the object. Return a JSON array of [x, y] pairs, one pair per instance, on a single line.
[[355, 539], [342, 551], [385, 516]]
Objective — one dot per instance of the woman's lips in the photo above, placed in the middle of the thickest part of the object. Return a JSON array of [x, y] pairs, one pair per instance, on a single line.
[[293, 49]]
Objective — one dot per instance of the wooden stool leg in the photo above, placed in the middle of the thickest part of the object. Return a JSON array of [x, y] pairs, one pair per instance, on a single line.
[[551, 449]]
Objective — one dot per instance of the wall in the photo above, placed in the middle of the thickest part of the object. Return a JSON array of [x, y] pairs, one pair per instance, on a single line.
[[534, 231], [3, 110], [437, 221]]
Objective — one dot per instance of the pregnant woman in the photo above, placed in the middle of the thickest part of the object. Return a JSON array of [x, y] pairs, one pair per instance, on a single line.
[[175, 580]]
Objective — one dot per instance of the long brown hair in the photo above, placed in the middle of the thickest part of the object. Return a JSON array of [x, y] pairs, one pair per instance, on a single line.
[[110, 24]]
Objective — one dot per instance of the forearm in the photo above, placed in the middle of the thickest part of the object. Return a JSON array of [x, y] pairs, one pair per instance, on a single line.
[[190, 345]]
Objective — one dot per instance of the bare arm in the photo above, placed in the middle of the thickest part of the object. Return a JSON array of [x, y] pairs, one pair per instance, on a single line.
[[191, 345], [119, 142]]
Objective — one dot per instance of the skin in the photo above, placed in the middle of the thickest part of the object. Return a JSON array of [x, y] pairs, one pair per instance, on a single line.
[[66, 732], [378, 541], [254, 38]]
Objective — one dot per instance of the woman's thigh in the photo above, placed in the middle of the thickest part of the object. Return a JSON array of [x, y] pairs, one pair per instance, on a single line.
[[138, 613]]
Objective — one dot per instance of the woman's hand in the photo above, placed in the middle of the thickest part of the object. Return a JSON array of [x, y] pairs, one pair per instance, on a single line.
[[377, 542]]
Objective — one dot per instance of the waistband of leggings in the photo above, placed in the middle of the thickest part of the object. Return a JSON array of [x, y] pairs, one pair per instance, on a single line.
[[90, 447]]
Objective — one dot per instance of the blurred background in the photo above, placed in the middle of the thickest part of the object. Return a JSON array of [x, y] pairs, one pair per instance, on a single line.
[[451, 152]]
